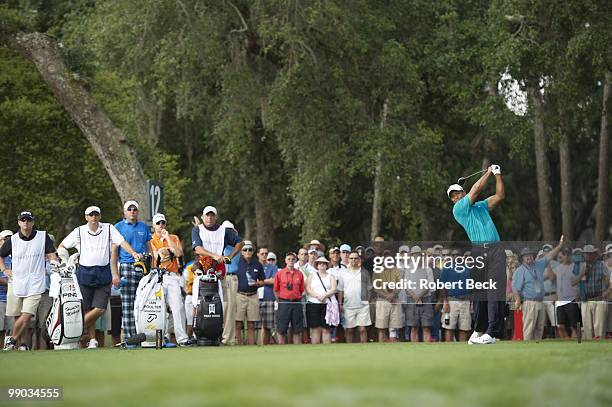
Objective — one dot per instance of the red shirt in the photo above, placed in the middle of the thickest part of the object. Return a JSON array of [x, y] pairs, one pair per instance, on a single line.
[[293, 277]]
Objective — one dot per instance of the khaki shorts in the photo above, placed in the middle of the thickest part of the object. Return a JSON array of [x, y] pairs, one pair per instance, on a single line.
[[247, 308], [460, 316], [388, 315], [356, 317], [15, 306]]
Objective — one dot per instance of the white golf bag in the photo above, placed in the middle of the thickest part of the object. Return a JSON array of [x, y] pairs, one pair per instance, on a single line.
[[150, 307], [65, 320]]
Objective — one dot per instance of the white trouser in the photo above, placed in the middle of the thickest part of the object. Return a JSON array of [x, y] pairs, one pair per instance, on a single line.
[[189, 309], [174, 299]]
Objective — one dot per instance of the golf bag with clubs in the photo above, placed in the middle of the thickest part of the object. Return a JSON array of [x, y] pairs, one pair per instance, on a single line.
[[65, 321], [150, 303], [208, 301]]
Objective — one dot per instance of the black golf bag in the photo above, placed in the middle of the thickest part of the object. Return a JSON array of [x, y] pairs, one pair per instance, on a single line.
[[208, 317]]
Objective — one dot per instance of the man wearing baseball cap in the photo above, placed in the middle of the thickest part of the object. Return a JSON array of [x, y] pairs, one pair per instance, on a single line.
[[210, 239], [96, 242], [596, 278], [138, 235], [474, 216], [29, 248]]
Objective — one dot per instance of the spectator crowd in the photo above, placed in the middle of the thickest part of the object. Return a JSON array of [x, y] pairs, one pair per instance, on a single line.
[[312, 294]]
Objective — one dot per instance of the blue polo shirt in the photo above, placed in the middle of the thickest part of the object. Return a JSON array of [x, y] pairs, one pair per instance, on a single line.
[[449, 275], [253, 269], [231, 268], [529, 281], [270, 271], [137, 235], [476, 220]]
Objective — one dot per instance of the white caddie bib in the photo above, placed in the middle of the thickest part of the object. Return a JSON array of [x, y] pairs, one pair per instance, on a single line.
[[213, 241], [28, 265]]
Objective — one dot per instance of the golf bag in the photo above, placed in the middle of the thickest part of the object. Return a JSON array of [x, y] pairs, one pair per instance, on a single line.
[[208, 317], [150, 306], [65, 321]]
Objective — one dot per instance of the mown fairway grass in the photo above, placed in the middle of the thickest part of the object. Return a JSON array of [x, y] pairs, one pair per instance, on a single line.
[[549, 373]]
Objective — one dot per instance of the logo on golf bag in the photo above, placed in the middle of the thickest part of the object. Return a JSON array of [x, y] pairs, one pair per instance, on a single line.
[[211, 308]]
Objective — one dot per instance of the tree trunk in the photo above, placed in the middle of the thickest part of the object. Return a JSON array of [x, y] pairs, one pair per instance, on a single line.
[[542, 170], [601, 218], [109, 142], [263, 219], [377, 199], [565, 164]]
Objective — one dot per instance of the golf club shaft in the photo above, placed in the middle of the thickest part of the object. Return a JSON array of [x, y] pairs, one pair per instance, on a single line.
[[476, 173]]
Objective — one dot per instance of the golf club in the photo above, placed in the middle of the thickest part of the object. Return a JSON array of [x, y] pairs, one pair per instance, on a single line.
[[462, 180]]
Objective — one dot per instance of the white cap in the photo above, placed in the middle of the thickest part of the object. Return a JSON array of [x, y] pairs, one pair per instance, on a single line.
[[454, 187], [228, 225], [415, 249], [589, 248], [438, 247], [271, 256], [91, 209], [157, 217], [321, 259], [209, 209], [130, 203], [312, 250], [345, 248], [6, 233], [404, 249], [247, 244]]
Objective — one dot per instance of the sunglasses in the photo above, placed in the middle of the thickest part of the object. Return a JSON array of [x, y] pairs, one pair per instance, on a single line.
[[247, 250], [132, 209], [26, 220], [290, 259], [161, 222], [271, 260], [353, 258], [94, 214]]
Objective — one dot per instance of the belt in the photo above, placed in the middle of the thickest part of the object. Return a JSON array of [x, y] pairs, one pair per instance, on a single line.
[[285, 300], [231, 274], [550, 293], [533, 300], [595, 298], [247, 294]]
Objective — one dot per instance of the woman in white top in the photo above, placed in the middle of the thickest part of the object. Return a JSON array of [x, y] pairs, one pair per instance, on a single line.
[[320, 286]]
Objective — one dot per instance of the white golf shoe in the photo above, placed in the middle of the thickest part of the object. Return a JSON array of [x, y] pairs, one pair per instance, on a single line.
[[93, 344]]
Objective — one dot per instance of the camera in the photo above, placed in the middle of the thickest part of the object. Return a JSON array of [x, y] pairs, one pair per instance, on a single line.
[[289, 286]]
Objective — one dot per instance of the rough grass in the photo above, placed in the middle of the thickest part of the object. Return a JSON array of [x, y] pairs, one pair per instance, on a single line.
[[549, 373]]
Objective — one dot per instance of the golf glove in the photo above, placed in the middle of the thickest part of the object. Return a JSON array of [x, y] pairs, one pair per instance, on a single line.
[[496, 169]]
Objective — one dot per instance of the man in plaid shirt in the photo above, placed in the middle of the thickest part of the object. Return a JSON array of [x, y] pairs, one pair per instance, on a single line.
[[138, 235], [596, 278]]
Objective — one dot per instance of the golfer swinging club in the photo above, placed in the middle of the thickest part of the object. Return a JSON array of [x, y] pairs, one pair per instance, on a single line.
[[475, 218]]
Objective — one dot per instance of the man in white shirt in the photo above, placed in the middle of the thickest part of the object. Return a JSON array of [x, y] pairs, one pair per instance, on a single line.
[[96, 242], [354, 285], [562, 272], [29, 248]]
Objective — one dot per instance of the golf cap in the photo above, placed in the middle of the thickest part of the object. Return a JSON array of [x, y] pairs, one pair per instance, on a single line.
[[6, 233], [430, 250], [577, 250], [91, 209], [158, 217], [247, 244], [415, 250], [438, 247], [228, 225], [209, 209], [526, 250], [130, 203], [271, 256], [345, 248], [334, 249], [312, 250], [445, 252], [26, 215], [547, 247], [589, 248], [290, 254], [404, 249], [452, 188], [608, 247]]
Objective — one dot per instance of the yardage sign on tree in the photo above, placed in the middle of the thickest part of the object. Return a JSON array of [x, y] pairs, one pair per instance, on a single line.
[[155, 191]]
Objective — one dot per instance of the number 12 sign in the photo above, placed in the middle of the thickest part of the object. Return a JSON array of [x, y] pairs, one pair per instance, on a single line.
[[155, 191]]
